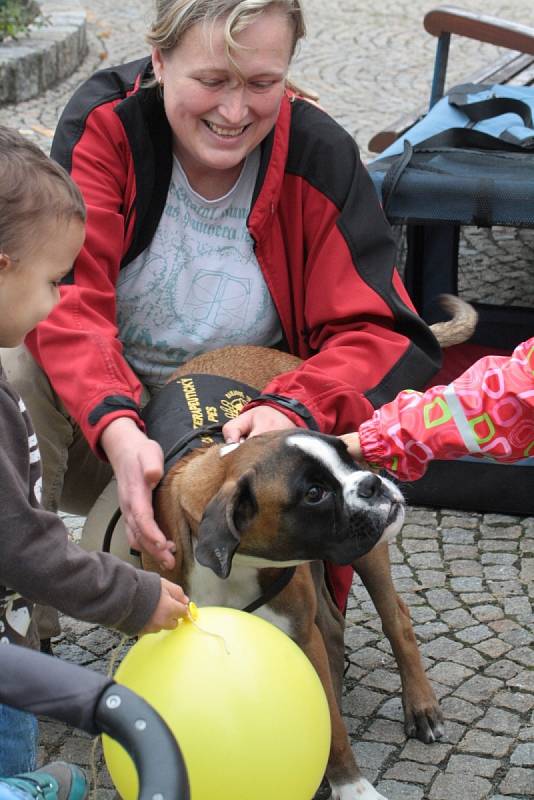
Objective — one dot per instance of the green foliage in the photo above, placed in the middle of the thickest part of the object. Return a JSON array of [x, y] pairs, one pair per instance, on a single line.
[[16, 16]]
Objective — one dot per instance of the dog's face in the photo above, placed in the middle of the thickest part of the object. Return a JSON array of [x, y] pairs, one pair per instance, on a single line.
[[295, 496]]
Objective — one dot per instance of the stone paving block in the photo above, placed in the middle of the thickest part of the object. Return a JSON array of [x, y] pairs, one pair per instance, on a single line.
[[411, 772], [469, 658], [523, 655], [466, 584], [524, 681], [372, 755], [457, 551], [383, 730], [473, 765], [466, 521], [465, 568], [514, 700], [475, 634], [400, 791], [369, 658], [449, 673], [476, 741], [518, 781], [422, 614], [503, 669], [497, 719], [460, 710], [429, 631], [475, 598], [441, 648], [432, 578], [388, 681], [460, 787], [503, 797], [519, 637], [434, 753], [361, 702], [479, 688], [458, 618], [487, 613], [527, 570], [526, 734], [442, 599], [456, 536], [523, 755]]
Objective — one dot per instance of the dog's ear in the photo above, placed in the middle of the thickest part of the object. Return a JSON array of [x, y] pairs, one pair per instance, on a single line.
[[224, 520]]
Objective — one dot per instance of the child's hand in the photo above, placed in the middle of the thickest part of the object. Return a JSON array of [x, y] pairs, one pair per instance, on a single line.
[[352, 440], [172, 605]]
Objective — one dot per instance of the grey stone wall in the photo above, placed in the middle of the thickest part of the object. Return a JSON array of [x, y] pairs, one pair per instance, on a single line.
[[53, 49]]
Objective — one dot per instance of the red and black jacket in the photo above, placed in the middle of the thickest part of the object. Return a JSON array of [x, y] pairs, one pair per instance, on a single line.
[[321, 239]]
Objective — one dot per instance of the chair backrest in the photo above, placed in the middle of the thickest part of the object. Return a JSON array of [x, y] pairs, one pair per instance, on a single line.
[[445, 21]]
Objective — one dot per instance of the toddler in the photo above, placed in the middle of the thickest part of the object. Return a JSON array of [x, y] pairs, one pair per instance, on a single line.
[[42, 228]]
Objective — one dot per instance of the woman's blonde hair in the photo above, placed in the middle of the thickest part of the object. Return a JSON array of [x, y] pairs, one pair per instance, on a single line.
[[175, 17]]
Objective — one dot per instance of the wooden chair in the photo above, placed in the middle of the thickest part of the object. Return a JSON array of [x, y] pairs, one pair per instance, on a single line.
[[516, 67], [434, 206], [440, 190]]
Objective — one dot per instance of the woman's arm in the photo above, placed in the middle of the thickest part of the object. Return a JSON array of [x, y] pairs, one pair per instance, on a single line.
[[345, 311]]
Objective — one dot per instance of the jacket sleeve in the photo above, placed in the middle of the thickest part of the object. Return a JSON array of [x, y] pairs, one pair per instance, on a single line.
[[38, 560], [487, 412], [82, 329], [354, 324]]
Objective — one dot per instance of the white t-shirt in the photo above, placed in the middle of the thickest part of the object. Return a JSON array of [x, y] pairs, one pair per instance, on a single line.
[[198, 285]]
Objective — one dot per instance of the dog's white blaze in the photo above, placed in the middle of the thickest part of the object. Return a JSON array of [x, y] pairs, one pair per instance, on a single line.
[[361, 790], [239, 589], [323, 452], [228, 448]]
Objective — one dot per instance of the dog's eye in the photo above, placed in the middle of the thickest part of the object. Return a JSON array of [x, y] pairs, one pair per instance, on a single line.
[[315, 494]]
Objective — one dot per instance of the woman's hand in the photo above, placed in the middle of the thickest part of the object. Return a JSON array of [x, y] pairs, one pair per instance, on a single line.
[[137, 462], [172, 605], [260, 419]]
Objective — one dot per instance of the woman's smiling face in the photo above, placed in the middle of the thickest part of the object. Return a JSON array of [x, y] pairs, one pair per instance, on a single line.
[[218, 114]]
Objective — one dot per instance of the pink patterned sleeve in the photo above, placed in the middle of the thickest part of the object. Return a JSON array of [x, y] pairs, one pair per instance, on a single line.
[[488, 411]]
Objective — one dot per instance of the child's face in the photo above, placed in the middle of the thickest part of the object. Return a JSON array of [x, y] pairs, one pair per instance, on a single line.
[[29, 285]]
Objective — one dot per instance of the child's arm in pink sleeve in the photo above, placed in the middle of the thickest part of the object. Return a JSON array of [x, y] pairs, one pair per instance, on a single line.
[[487, 411]]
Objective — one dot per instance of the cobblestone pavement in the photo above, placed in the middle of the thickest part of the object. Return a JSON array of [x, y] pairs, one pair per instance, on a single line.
[[468, 578]]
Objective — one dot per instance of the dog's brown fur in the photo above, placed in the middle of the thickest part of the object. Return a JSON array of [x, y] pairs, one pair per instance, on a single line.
[[305, 599]]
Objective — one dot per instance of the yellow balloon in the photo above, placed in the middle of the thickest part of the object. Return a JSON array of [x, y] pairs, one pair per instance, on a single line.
[[245, 704]]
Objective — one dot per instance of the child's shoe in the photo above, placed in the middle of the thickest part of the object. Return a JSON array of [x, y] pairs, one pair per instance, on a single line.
[[54, 781]]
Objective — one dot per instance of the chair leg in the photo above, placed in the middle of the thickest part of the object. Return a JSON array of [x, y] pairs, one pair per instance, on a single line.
[[431, 266]]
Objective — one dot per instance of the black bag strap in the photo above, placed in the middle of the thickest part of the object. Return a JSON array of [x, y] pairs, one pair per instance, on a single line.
[[472, 139], [394, 174], [491, 107]]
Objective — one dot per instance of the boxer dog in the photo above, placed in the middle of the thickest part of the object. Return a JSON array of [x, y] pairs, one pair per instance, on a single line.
[[253, 524]]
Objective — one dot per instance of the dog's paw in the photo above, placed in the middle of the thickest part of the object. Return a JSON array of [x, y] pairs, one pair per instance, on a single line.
[[425, 725]]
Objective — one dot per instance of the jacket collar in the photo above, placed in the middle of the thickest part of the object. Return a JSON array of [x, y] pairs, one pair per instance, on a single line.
[[150, 139]]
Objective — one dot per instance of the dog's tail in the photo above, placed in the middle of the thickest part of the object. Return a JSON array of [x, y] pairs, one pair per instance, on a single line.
[[462, 324]]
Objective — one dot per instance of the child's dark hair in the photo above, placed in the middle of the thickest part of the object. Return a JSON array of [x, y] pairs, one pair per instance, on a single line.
[[33, 189]]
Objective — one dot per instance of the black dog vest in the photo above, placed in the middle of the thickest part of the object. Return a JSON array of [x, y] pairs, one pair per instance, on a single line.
[[190, 412]]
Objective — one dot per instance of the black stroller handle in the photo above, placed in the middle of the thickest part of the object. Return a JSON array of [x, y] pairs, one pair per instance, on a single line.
[[82, 698]]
